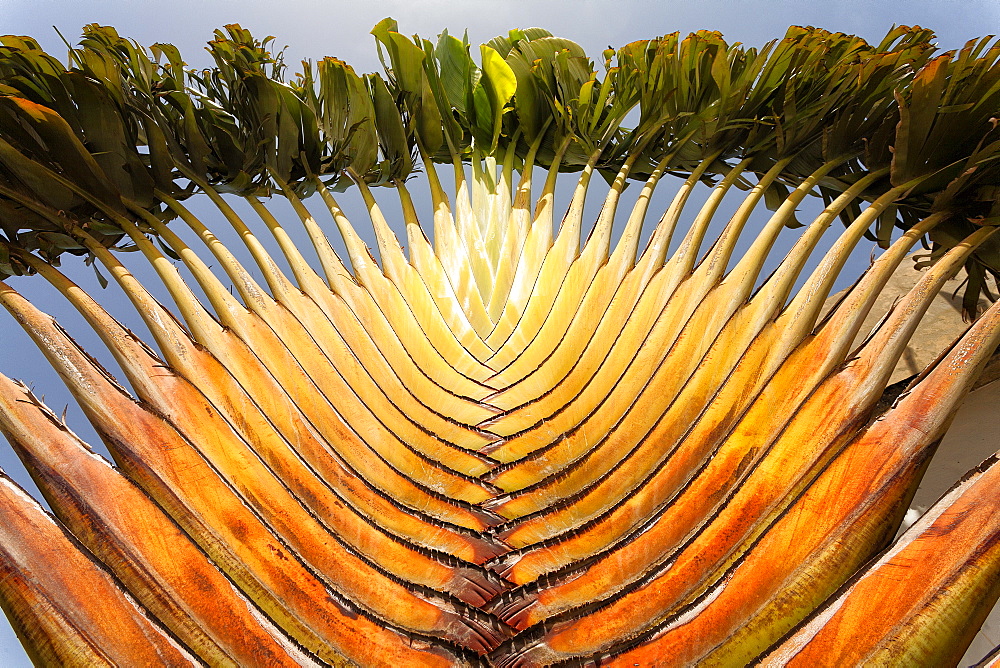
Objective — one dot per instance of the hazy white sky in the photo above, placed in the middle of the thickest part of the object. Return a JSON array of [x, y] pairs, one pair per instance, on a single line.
[[317, 28]]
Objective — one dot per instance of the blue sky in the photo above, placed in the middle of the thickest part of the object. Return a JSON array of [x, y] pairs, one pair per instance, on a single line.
[[319, 28]]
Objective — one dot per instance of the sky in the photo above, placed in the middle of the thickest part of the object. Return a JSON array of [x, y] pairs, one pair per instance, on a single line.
[[314, 29]]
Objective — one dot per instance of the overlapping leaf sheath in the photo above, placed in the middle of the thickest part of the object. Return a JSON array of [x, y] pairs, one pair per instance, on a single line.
[[48, 585], [138, 541], [848, 517], [506, 441]]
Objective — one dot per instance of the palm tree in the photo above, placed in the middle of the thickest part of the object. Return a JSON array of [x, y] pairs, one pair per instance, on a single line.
[[504, 444]]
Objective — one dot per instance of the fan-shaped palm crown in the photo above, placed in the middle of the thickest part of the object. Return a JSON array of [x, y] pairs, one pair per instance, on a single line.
[[506, 444]]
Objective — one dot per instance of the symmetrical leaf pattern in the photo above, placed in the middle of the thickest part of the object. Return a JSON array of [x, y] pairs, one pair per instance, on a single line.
[[505, 442]]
